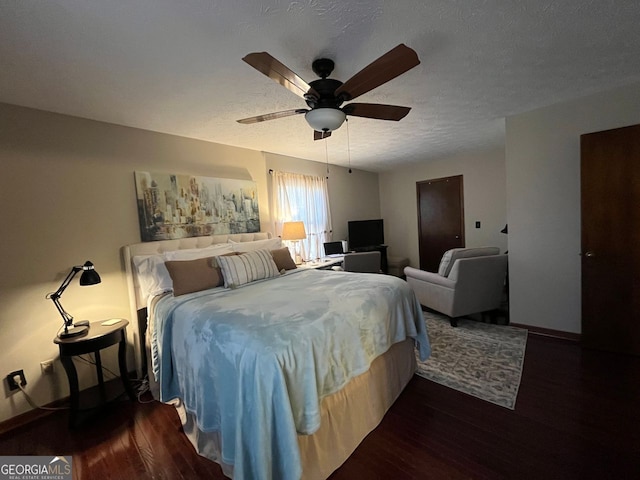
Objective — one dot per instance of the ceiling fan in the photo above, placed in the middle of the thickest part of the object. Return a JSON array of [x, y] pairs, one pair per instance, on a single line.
[[325, 96]]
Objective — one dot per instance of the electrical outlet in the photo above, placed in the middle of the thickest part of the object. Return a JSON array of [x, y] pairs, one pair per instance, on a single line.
[[46, 367], [12, 383]]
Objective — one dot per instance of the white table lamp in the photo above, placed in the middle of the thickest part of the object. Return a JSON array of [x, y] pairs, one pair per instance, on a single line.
[[294, 231]]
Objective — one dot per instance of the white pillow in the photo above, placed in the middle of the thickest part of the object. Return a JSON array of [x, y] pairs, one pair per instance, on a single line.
[[248, 267], [153, 276], [196, 253], [270, 244]]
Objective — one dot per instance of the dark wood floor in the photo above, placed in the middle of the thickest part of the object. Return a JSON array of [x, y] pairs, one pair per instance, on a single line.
[[577, 417]]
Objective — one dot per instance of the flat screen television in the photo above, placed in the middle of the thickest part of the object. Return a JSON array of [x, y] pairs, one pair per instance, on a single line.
[[365, 233]]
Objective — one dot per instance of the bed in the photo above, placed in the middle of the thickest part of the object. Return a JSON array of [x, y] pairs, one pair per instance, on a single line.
[[281, 377]]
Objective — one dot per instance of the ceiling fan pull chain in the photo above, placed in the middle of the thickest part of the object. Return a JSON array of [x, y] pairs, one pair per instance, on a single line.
[[348, 144], [326, 155]]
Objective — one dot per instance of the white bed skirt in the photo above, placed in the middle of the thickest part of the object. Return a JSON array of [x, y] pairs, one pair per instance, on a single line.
[[348, 416]]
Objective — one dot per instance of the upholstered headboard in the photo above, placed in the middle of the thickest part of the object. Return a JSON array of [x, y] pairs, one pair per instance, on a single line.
[[137, 303]]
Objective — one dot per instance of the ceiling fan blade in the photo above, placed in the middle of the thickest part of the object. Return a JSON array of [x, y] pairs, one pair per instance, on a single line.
[[320, 135], [272, 116], [280, 73], [393, 63], [376, 110]]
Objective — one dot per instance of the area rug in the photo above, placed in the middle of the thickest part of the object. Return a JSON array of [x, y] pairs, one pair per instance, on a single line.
[[476, 358]]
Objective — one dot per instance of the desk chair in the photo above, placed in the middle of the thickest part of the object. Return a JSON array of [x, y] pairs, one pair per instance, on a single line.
[[365, 262]]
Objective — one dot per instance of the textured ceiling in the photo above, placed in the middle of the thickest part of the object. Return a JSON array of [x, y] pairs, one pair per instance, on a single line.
[[175, 66]]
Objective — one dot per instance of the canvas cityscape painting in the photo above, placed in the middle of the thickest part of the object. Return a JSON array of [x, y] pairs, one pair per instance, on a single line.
[[176, 206]]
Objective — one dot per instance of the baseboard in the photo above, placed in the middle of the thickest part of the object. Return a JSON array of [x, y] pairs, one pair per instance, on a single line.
[[38, 413], [573, 337], [31, 416]]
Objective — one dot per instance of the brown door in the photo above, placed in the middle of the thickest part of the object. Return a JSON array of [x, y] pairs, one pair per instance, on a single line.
[[610, 182], [440, 219]]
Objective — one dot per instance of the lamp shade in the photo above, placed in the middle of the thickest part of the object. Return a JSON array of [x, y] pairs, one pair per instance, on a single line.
[[325, 119], [293, 231], [89, 275]]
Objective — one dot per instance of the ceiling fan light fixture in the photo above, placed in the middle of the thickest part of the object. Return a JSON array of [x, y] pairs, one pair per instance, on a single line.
[[325, 119]]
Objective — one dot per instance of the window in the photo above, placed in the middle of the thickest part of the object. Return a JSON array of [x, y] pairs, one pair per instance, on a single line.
[[303, 198]]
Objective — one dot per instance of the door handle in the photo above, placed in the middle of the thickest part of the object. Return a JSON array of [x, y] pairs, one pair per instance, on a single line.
[[457, 237], [589, 254]]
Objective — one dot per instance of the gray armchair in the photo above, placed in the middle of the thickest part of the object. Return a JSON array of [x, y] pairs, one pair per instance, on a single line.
[[366, 262], [469, 280]]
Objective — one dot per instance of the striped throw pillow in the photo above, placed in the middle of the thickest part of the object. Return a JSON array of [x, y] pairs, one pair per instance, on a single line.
[[248, 267]]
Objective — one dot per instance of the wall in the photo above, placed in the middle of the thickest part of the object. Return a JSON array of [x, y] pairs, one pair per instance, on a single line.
[[484, 200], [543, 198], [67, 194], [352, 196]]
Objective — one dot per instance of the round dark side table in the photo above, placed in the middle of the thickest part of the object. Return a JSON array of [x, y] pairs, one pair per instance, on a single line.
[[98, 337]]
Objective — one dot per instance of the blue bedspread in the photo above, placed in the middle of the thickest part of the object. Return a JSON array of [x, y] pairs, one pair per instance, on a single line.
[[253, 363]]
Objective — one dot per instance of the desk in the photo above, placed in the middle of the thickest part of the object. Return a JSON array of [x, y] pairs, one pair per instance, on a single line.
[[97, 338], [322, 263]]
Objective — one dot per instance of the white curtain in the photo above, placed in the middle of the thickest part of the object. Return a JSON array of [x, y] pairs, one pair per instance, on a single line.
[[303, 198]]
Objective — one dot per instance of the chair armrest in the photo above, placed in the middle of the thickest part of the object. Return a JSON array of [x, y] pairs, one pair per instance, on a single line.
[[428, 277]]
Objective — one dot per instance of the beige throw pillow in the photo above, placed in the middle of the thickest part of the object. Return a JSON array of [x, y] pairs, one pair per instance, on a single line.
[[282, 257], [194, 275]]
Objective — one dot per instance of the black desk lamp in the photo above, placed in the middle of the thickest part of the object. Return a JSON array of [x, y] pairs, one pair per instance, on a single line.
[[89, 277]]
